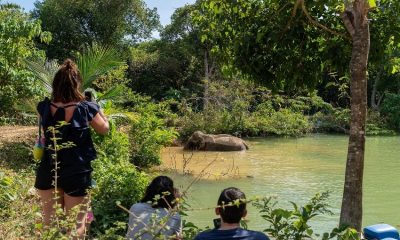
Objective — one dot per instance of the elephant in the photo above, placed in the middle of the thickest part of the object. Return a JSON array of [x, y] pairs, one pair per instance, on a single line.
[[221, 142]]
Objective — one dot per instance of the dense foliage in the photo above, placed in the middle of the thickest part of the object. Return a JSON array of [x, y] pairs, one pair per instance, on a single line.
[[17, 34], [149, 131], [82, 23], [164, 70], [391, 108], [115, 180], [245, 67], [241, 109], [294, 224]]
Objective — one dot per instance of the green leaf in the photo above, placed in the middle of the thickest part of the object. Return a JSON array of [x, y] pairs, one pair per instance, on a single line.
[[204, 38], [372, 3]]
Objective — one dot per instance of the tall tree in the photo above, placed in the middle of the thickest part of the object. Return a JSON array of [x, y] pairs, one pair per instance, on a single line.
[[275, 42], [355, 18], [163, 69], [79, 23], [288, 45], [192, 25]]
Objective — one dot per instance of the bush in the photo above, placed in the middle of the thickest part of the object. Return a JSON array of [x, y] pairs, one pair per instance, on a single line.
[[391, 109], [377, 124], [111, 79], [337, 120], [8, 192], [117, 180], [267, 121], [18, 32], [241, 109], [149, 131], [293, 224], [18, 119]]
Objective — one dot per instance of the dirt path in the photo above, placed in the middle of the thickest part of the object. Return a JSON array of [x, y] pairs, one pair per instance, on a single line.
[[16, 133]]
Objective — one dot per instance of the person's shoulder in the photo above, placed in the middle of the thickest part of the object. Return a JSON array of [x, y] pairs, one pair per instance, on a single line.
[[140, 206], [89, 105], [42, 104], [89, 108], [257, 235], [204, 235]]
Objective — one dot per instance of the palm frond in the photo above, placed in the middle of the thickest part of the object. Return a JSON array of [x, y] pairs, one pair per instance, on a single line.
[[95, 61], [113, 93], [44, 71]]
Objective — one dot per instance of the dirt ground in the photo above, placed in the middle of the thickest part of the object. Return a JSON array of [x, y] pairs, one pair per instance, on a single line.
[[17, 133]]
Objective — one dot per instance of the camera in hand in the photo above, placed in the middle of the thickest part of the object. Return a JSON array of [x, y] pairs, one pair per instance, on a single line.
[[217, 223], [89, 96]]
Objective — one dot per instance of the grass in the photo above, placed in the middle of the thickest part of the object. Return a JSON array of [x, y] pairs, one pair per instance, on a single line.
[[19, 205]]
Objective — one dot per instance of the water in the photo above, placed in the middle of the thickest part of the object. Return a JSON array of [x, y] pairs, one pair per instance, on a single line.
[[293, 169]]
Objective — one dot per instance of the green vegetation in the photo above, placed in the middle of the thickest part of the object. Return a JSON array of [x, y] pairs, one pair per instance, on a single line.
[[17, 42], [116, 180], [391, 109], [246, 68], [81, 23], [294, 224]]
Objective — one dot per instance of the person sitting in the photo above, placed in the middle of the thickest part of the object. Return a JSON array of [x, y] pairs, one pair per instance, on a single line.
[[230, 218], [155, 215]]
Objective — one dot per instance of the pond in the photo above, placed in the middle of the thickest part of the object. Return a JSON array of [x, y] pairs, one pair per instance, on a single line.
[[293, 169]]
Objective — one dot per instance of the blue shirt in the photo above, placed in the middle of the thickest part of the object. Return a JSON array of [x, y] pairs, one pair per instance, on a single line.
[[237, 233], [73, 160]]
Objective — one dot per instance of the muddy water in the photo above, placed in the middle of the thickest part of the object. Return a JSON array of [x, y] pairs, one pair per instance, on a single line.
[[293, 170]]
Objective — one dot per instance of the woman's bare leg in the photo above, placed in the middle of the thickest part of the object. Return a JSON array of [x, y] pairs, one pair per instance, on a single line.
[[83, 202], [48, 198]]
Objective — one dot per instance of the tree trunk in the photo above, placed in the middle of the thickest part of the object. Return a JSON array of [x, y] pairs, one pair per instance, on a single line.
[[355, 19], [374, 103], [206, 79]]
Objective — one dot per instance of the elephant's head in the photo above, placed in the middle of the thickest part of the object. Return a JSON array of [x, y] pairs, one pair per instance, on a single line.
[[196, 141]]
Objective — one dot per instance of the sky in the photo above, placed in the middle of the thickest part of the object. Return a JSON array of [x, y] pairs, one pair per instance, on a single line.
[[165, 8]]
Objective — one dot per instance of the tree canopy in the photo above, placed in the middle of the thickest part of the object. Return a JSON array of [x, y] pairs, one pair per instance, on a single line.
[[17, 34], [76, 24]]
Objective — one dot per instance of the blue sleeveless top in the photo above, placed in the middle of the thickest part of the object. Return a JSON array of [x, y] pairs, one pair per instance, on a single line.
[[76, 159]]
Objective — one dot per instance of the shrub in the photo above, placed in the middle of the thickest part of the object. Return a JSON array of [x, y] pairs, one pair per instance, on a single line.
[[149, 131], [293, 224], [111, 79], [8, 191], [117, 180], [337, 120], [238, 120], [391, 109], [377, 124], [241, 109], [267, 121], [18, 32]]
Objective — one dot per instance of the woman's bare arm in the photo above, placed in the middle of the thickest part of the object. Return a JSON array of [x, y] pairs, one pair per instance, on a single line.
[[100, 123]]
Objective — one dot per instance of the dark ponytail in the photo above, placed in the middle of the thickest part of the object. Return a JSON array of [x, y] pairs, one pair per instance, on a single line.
[[67, 83]]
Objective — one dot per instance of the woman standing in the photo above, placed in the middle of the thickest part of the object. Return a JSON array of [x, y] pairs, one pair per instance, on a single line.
[[73, 163]]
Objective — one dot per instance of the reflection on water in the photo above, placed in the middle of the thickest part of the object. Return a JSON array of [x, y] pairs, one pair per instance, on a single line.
[[294, 169]]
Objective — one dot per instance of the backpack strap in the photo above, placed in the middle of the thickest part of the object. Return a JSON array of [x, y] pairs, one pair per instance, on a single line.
[[40, 127]]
